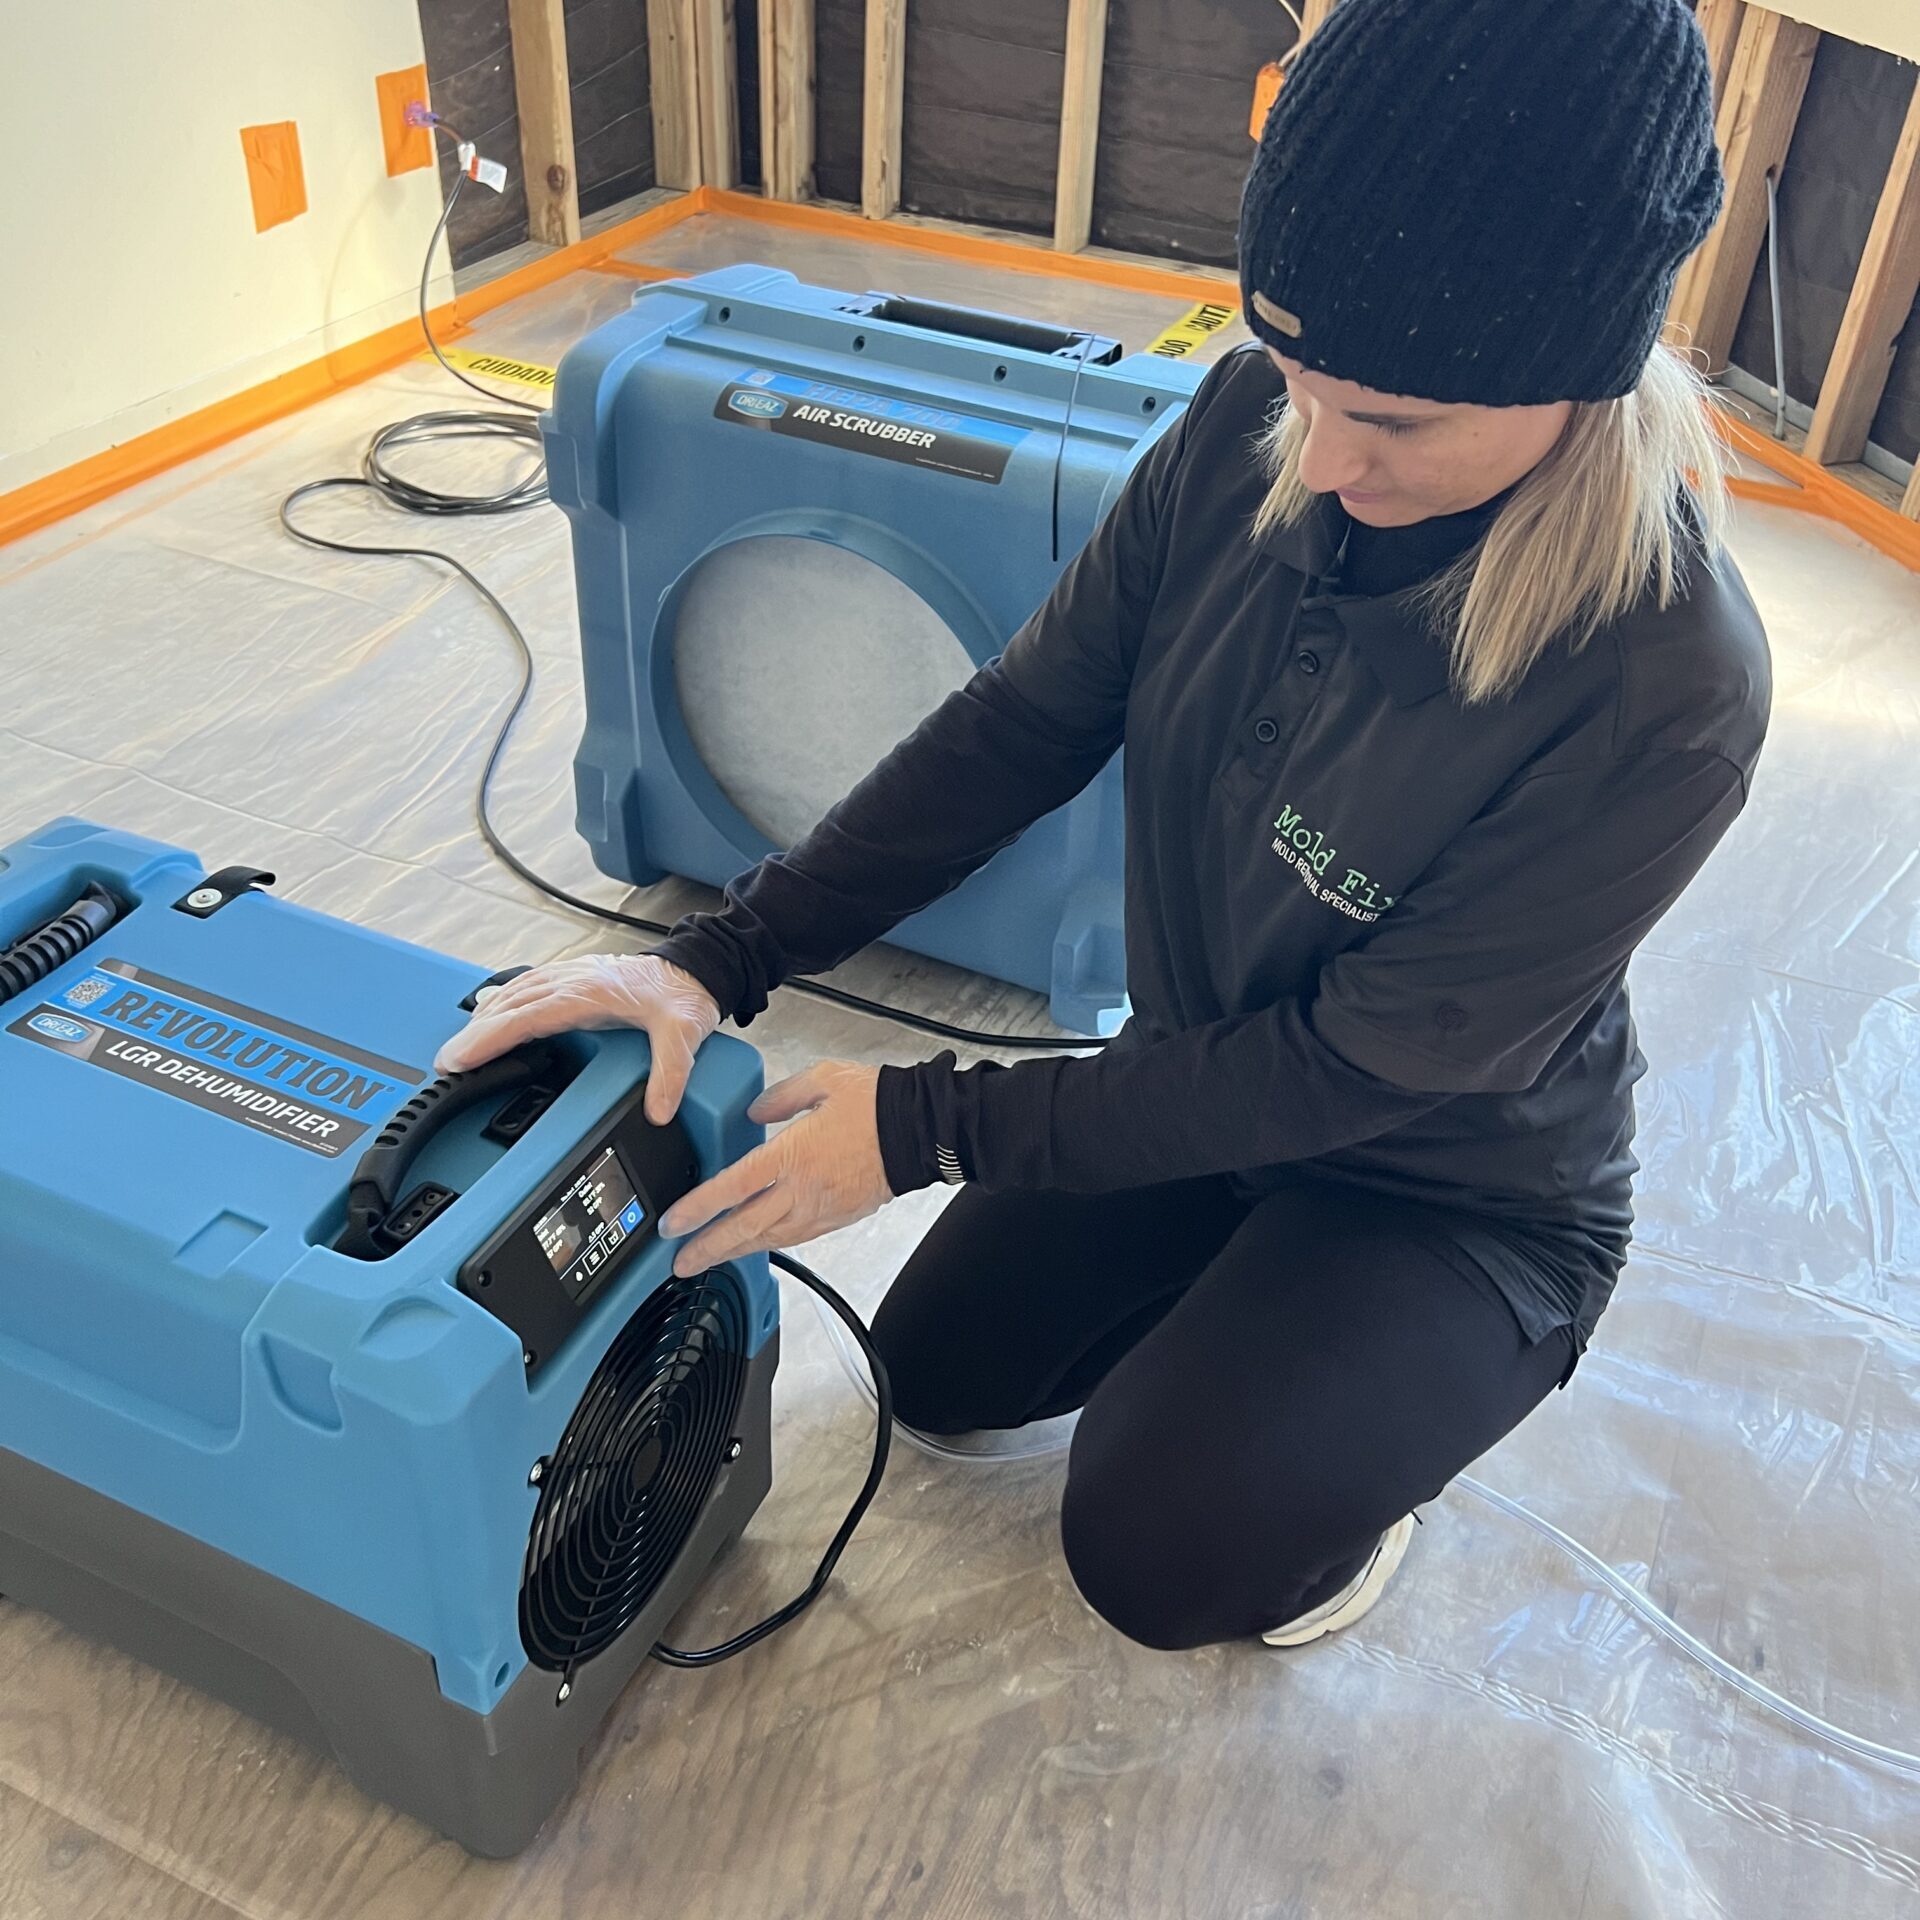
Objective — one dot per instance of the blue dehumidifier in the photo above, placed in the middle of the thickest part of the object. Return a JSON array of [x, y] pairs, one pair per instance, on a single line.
[[364, 1400], [773, 488]]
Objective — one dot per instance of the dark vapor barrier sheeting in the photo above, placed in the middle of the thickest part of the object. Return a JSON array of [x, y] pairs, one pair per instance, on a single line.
[[982, 134], [470, 70], [611, 84], [1849, 125], [746, 66], [470, 74], [839, 58], [981, 138], [1174, 143]]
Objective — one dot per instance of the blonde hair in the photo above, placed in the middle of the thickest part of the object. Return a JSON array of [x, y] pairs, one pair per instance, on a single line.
[[1633, 490]]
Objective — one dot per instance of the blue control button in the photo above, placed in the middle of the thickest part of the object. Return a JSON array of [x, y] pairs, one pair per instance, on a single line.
[[630, 1219]]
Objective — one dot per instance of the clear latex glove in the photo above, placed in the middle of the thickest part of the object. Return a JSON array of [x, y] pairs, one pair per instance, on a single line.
[[595, 992], [823, 1172]]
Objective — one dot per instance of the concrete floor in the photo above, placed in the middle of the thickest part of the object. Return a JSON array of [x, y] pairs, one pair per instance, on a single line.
[[950, 1733]]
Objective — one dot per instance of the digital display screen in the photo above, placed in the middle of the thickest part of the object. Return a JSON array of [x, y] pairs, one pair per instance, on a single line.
[[587, 1226]]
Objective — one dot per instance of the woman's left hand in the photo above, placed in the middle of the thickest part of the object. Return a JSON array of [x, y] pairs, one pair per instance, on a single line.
[[823, 1171]]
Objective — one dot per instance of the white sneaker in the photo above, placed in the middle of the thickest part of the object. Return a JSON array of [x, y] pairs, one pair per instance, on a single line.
[[1353, 1600]]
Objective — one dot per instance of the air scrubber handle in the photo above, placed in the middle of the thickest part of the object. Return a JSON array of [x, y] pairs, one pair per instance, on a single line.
[[376, 1182], [992, 329]]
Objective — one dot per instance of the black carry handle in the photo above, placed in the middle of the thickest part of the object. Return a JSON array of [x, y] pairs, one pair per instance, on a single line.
[[995, 329], [471, 1003], [375, 1186]]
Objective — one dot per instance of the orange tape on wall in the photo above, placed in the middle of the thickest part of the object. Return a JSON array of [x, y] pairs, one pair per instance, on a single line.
[[408, 148], [1266, 90], [274, 173]]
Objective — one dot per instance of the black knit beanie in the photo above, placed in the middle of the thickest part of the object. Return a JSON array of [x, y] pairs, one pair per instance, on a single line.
[[1482, 200]]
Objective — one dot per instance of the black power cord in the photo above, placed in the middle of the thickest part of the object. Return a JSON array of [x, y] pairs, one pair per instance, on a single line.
[[378, 478], [522, 424], [410, 496], [882, 1446], [1066, 431]]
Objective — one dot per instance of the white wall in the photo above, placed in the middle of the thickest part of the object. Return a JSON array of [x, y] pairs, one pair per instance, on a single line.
[[1893, 25], [133, 287]]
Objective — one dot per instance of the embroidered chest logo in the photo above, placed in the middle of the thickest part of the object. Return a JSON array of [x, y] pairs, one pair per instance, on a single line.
[[1344, 888]]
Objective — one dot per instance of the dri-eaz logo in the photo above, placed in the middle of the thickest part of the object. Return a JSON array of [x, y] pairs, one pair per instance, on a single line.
[[762, 406], [56, 1027]]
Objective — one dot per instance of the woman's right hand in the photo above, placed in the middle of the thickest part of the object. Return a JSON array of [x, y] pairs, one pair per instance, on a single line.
[[596, 991]]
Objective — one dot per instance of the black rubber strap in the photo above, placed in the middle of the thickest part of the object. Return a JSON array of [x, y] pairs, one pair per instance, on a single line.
[[229, 883]]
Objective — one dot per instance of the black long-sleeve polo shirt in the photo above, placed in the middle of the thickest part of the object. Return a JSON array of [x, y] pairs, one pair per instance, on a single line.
[[1372, 931]]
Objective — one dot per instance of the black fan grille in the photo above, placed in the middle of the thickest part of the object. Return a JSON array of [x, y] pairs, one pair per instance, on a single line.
[[634, 1469]]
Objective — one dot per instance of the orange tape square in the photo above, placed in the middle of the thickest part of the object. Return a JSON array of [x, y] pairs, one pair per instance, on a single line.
[[274, 174], [1266, 90], [408, 148]]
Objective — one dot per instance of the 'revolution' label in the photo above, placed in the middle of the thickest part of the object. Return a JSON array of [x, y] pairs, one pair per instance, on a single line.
[[300, 1087], [905, 430]]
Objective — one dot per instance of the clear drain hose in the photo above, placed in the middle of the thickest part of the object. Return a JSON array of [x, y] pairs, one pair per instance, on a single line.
[[1052, 1436]]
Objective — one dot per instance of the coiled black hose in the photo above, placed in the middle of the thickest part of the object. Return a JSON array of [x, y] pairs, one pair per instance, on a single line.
[[27, 962]]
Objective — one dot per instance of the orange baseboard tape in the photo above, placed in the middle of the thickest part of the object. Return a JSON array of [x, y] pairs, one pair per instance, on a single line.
[[42, 502], [594, 251], [1819, 491], [637, 270], [978, 248], [1813, 489]]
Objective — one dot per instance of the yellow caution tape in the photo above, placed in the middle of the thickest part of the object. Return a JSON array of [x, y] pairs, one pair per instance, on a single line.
[[498, 367], [1193, 329]]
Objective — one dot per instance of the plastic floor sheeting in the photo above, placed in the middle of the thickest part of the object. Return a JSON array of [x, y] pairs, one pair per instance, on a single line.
[[950, 1733]]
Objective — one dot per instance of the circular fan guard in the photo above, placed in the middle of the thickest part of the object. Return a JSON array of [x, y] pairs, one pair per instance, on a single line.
[[633, 1471]]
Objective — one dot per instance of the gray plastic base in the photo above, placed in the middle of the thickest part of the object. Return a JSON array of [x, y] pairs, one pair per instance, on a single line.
[[327, 1677]]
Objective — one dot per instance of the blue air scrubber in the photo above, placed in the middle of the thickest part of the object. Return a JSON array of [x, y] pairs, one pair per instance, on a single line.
[[968, 455], [365, 1401]]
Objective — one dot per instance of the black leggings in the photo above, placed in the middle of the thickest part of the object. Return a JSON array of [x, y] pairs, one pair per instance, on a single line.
[[1268, 1385]]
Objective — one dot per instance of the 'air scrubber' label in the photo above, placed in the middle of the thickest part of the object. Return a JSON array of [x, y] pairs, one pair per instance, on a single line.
[[298, 1086], [904, 430]]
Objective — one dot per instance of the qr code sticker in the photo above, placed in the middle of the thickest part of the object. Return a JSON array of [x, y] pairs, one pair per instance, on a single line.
[[88, 991]]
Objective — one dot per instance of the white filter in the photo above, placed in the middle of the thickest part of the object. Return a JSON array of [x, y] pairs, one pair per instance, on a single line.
[[798, 665]]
